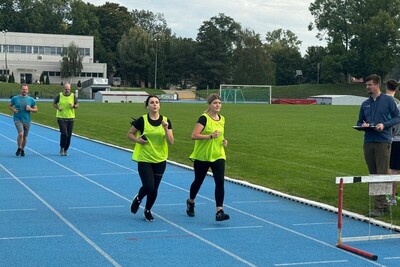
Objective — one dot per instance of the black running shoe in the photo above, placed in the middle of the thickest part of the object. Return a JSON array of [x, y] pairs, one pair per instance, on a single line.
[[189, 208], [221, 216], [148, 216], [135, 204], [18, 152], [22, 153]]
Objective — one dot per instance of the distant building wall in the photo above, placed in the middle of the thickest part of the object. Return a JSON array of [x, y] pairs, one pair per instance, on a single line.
[[338, 99], [28, 55], [121, 96]]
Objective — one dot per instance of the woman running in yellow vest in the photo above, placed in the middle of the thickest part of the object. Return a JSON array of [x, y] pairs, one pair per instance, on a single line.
[[65, 103], [209, 152], [152, 133]]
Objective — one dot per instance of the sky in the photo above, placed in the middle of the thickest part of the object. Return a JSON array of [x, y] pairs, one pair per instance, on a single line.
[[185, 17]]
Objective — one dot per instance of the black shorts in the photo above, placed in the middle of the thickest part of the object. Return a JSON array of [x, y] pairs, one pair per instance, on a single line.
[[395, 156]]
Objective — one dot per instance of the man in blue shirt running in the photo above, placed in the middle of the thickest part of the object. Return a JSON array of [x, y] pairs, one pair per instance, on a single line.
[[22, 105]]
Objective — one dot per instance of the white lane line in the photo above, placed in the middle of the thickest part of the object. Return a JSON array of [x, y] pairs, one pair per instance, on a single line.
[[135, 232], [231, 228], [59, 215], [310, 263], [67, 176], [96, 207], [12, 210], [307, 224], [255, 201], [87, 153], [29, 237], [391, 258]]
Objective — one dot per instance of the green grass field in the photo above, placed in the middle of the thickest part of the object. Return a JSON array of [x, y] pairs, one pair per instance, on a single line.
[[295, 149]]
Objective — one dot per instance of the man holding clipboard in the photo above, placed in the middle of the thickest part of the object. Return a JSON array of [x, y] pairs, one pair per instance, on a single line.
[[377, 116]]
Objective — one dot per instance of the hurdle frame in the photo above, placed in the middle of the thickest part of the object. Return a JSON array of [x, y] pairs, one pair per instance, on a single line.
[[361, 179]]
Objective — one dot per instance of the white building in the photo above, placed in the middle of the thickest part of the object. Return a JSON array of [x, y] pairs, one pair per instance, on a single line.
[[28, 55], [121, 96], [338, 99]]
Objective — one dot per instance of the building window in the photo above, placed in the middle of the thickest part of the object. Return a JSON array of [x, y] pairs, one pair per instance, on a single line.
[[17, 49], [47, 50]]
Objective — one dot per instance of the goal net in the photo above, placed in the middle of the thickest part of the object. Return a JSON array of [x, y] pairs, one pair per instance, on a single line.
[[238, 93]]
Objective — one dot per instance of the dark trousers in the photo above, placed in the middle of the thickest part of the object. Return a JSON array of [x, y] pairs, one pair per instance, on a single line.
[[200, 172], [151, 175], [377, 157], [66, 127]]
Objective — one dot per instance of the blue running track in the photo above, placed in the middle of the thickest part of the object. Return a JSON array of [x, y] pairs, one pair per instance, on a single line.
[[75, 211]]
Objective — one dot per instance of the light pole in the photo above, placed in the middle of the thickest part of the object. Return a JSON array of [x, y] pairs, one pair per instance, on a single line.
[[155, 66], [5, 50]]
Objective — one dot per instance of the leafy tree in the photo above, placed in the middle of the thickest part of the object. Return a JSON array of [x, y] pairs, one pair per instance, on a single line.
[[11, 78], [115, 20], [47, 79], [252, 62], [179, 62], [150, 22], [283, 48], [135, 56], [216, 42], [8, 15], [312, 64], [41, 79], [367, 30], [71, 63]]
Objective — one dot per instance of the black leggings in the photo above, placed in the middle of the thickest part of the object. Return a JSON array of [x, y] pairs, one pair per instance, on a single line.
[[200, 172], [151, 175]]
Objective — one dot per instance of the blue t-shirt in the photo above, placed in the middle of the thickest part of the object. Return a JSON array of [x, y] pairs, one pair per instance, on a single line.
[[20, 102]]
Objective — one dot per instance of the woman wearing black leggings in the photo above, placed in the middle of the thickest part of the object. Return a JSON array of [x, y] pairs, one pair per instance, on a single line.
[[152, 133], [209, 152]]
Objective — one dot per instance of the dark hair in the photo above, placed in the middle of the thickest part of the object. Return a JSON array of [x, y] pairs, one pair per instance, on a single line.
[[375, 78], [391, 85], [146, 103]]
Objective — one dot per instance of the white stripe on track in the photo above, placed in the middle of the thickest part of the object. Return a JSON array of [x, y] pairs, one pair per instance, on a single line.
[[29, 237], [59, 215]]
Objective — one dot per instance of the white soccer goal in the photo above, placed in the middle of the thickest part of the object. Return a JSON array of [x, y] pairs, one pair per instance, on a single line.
[[241, 93]]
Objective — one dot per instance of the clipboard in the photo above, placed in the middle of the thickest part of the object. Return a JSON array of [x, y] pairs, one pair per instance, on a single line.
[[363, 128]]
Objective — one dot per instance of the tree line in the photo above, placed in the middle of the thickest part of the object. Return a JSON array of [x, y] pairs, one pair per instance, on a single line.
[[138, 46]]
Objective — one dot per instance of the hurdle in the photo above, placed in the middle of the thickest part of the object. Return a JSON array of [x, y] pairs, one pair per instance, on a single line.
[[378, 185]]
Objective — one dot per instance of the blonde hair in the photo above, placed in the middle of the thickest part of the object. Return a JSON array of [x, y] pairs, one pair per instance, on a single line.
[[210, 99]]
